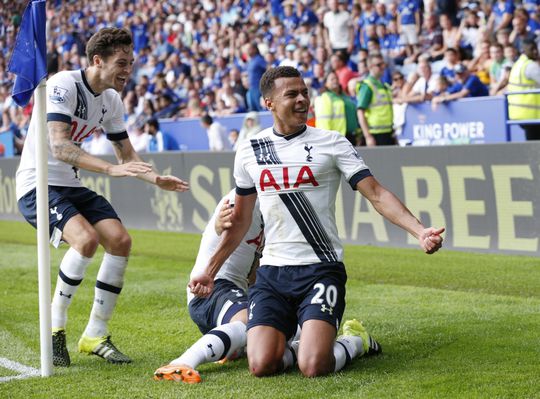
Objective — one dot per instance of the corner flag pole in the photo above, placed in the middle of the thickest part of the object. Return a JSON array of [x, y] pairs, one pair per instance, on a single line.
[[28, 63], [42, 205]]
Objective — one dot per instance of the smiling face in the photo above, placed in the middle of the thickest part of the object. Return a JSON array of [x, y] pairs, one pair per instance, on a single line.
[[116, 69], [496, 53], [289, 103]]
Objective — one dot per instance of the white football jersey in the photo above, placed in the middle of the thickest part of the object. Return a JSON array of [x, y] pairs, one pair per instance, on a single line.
[[237, 267], [296, 178], [70, 99]]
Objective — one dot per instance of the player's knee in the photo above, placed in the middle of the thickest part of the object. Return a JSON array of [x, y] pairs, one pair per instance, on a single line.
[[261, 366], [262, 370], [119, 245], [313, 370], [87, 242], [124, 242], [314, 366]]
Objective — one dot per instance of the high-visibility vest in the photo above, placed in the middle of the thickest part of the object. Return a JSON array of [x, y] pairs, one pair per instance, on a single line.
[[330, 112], [522, 106], [379, 115]]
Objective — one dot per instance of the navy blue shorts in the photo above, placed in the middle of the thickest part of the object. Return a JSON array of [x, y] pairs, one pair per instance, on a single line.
[[64, 203], [226, 300], [284, 296]]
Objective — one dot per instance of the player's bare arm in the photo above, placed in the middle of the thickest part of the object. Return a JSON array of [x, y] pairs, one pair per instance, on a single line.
[[203, 284], [370, 140], [388, 205], [66, 151], [125, 153], [223, 221]]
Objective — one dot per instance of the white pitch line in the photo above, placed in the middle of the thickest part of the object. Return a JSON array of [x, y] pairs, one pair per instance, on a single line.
[[25, 371]]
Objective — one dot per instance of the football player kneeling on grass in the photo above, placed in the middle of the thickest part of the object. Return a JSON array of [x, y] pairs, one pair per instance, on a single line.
[[221, 317]]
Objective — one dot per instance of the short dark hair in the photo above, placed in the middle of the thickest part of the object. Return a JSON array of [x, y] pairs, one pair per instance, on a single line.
[[374, 40], [374, 56], [207, 119], [152, 122], [528, 45], [105, 41], [268, 79], [342, 55]]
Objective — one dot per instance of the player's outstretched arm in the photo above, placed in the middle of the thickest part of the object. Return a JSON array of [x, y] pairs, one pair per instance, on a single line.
[[203, 283], [126, 154], [388, 205], [65, 150]]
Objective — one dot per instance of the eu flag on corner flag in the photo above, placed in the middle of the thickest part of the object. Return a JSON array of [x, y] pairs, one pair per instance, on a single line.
[[28, 60]]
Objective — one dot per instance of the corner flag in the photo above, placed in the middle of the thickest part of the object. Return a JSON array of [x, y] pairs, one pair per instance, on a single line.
[[28, 63], [28, 60]]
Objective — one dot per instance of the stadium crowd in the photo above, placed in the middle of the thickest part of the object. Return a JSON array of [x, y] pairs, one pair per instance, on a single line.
[[195, 58]]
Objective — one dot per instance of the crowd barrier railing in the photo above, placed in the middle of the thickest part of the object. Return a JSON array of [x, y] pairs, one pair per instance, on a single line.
[[513, 122]]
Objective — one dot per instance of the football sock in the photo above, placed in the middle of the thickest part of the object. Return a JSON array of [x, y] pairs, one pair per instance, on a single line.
[[289, 357], [345, 349], [296, 334], [110, 280], [356, 341], [215, 345], [70, 275]]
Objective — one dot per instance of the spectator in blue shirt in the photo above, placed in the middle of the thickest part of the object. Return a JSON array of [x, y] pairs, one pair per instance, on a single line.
[[409, 23], [451, 59], [290, 20], [230, 14], [305, 14], [501, 15], [397, 49], [382, 17], [472, 86], [158, 141], [139, 29], [66, 40], [276, 8], [520, 30], [534, 22], [531, 5], [255, 68], [368, 15], [385, 43]]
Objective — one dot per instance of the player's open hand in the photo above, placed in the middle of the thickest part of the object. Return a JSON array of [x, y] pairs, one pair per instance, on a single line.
[[223, 221], [133, 168], [431, 240], [171, 183], [201, 285]]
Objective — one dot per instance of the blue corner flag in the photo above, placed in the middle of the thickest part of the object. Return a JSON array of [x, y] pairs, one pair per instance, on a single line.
[[28, 60]]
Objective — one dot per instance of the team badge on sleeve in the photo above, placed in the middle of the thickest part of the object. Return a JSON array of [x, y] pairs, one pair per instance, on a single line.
[[58, 95]]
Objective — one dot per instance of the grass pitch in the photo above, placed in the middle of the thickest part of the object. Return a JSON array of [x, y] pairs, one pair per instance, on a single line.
[[452, 325]]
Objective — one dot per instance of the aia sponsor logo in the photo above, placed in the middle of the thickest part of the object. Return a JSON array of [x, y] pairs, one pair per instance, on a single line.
[[285, 180]]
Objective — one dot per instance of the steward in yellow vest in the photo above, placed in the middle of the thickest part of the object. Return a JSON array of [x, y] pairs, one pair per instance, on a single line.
[[334, 110], [374, 105], [525, 75]]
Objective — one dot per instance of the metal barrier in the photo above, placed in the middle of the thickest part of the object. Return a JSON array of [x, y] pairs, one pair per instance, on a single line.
[[510, 122]]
